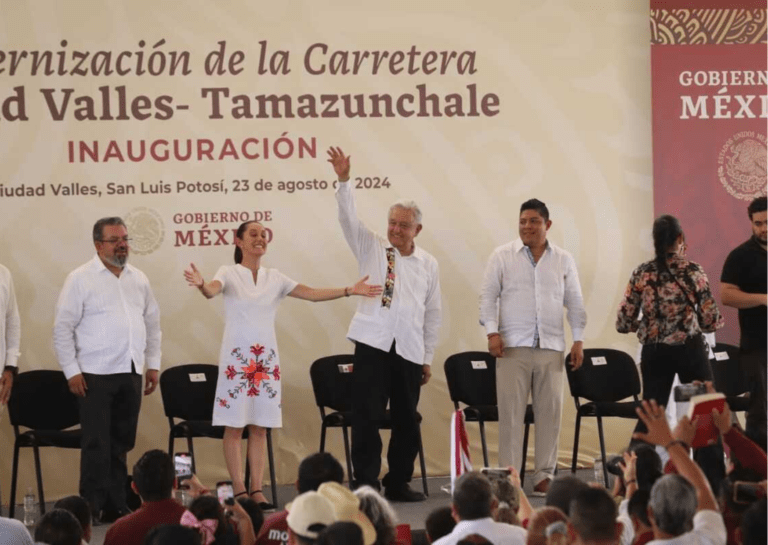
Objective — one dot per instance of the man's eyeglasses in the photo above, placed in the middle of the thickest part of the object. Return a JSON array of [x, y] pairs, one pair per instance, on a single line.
[[127, 240]]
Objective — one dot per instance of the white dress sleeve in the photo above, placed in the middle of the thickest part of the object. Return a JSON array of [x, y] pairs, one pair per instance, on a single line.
[[285, 285], [221, 276]]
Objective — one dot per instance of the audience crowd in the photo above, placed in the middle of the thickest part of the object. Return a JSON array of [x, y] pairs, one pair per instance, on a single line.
[[649, 502]]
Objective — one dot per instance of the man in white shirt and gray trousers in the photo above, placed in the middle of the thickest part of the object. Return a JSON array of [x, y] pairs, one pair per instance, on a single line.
[[395, 337], [527, 282], [107, 328]]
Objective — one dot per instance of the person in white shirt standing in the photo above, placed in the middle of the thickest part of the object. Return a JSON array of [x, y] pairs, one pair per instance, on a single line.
[[106, 330], [10, 334], [395, 337], [527, 282]]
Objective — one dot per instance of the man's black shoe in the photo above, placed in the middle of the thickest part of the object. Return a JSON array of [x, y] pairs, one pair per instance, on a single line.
[[403, 493]]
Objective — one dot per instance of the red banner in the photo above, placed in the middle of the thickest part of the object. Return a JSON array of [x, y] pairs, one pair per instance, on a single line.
[[710, 106]]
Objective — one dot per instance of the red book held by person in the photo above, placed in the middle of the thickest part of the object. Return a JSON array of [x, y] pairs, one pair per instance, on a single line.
[[701, 407]]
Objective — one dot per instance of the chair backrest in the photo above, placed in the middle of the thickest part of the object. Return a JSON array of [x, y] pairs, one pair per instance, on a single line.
[[41, 400], [332, 381], [471, 378], [728, 375], [605, 375], [189, 391]]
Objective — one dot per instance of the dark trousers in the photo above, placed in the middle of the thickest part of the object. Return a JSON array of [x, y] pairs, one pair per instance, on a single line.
[[109, 414], [659, 363], [753, 364], [379, 377]]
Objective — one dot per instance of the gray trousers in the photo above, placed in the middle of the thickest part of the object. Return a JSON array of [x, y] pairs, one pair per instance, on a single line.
[[539, 373]]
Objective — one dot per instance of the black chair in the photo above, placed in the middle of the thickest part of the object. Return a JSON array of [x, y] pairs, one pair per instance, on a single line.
[[41, 401], [188, 393], [729, 376], [475, 386], [332, 384], [604, 384]]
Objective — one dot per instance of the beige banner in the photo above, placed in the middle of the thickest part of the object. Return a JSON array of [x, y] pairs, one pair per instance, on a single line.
[[503, 102]]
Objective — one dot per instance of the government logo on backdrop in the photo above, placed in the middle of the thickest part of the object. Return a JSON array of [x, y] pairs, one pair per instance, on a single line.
[[742, 165], [146, 230]]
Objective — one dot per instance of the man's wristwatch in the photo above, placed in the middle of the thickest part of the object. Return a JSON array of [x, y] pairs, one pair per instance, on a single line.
[[12, 368]]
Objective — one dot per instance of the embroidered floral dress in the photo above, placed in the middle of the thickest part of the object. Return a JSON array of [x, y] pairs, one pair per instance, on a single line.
[[248, 390]]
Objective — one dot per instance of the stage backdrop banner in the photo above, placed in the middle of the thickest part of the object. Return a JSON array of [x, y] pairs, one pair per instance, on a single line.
[[710, 107], [187, 118]]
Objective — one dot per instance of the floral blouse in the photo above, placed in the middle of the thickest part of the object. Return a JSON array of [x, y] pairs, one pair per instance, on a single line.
[[675, 306]]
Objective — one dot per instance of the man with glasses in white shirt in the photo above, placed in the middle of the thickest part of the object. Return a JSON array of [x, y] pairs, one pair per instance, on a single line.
[[106, 330], [527, 283], [395, 338], [10, 334]]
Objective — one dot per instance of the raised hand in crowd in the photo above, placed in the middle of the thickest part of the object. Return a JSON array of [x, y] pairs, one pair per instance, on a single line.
[[659, 432], [653, 416], [685, 430], [722, 420], [629, 473], [526, 509], [195, 488], [243, 523]]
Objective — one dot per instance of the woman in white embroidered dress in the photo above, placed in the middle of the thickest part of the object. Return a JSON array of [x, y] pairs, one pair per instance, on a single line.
[[248, 389]]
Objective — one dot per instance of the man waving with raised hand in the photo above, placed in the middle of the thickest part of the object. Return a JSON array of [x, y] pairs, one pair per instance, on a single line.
[[395, 337]]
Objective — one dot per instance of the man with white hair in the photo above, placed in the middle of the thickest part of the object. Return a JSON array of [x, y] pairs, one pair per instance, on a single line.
[[395, 337]]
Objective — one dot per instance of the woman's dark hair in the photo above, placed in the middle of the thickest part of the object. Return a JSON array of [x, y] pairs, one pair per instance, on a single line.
[[240, 233], [638, 506], [172, 534], [341, 533], [254, 511], [58, 527], [439, 523], [154, 474], [208, 507], [666, 230], [648, 466]]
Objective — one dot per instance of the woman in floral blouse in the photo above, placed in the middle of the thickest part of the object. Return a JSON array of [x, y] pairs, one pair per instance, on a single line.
[[669, 304], [248, 392]]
